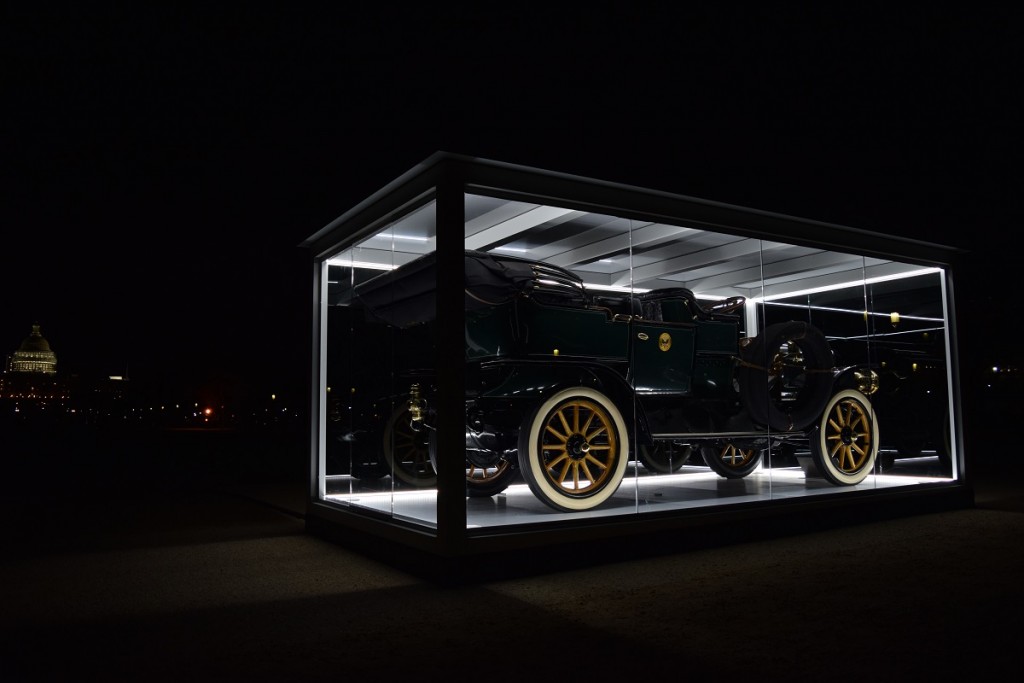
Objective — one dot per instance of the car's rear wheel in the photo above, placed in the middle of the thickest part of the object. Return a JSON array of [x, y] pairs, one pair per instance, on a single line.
[[482, 482], [407, 451], [844, 444], [573, 449], [487, 472], [732, 461]]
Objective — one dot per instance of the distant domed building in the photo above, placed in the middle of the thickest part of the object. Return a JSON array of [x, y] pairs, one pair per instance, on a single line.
[[34, 355], [31, 378]]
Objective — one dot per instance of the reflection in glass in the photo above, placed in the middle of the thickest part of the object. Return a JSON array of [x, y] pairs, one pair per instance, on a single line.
[[616, 366], [379, 345], [889, 341]]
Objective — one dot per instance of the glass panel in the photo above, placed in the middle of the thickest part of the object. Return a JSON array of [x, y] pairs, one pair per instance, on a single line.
[[617, 367], [885, 327], [908, 352], [827, 348], [379, 355]]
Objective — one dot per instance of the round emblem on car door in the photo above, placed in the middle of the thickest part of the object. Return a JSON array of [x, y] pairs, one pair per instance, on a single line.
[[665, 341]]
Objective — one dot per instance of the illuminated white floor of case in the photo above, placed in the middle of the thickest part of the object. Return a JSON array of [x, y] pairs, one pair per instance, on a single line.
[[690, 487]]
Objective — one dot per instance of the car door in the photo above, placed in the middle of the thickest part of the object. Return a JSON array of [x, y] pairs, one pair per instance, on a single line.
[[662, 356]]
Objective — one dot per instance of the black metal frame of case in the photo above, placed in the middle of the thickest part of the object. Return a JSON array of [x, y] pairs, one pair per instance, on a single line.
[[455, 553]]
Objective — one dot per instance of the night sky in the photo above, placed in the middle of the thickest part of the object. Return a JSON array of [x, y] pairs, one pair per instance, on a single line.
[[161, 166]]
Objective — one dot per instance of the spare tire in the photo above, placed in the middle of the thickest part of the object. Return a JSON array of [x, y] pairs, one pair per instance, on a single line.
[[785, 376]]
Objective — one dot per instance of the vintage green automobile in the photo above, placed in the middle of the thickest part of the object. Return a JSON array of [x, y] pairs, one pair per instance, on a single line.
[[565, 383]]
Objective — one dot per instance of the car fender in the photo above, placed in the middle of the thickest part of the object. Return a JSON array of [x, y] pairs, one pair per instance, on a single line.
[[530, 381]]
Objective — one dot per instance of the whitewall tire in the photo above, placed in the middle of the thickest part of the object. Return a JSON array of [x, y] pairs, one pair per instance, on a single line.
[[573, 449]]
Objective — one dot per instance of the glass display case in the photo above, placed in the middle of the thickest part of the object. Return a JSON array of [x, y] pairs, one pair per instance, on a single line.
[[614, 364]]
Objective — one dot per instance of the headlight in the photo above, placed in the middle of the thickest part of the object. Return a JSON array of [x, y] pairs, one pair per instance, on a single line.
[[867, 381]]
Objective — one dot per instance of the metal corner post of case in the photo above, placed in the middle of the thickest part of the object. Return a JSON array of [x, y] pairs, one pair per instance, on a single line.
[[451, 384]]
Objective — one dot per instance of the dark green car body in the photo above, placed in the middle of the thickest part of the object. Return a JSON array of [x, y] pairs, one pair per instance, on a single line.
[[565, 383]]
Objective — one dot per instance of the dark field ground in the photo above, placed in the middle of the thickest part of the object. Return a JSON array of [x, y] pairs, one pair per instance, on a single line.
[[182, 555]]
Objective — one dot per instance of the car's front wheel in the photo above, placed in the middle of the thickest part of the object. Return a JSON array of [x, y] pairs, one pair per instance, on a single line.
[[573, 449], [844, 444]]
